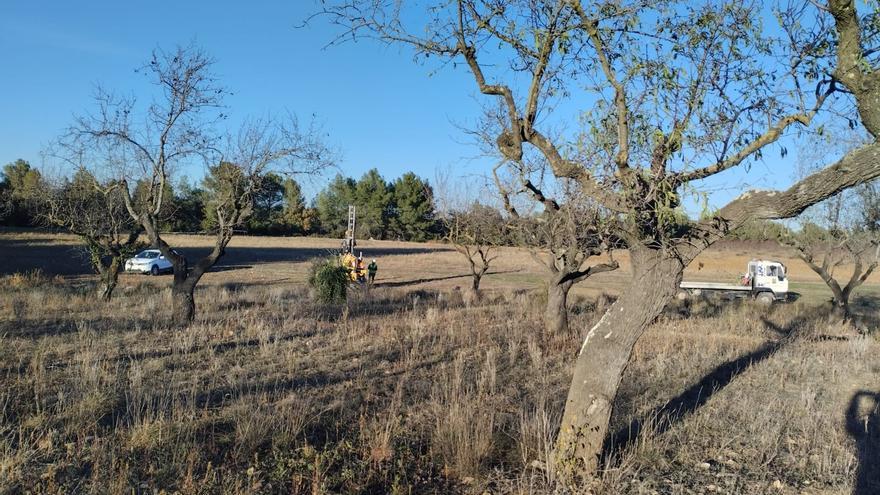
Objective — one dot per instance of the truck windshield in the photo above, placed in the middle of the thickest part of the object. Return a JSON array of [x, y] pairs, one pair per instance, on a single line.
[[776, 271]]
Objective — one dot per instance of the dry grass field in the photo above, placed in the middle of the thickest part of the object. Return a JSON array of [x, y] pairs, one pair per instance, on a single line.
[[414, 387]]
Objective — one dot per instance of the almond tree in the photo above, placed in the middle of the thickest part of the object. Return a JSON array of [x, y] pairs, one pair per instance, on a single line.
[[177, 128], [840, 233], [96, 213], [826, 252], [562, 238], [477, 233], [670, 93]]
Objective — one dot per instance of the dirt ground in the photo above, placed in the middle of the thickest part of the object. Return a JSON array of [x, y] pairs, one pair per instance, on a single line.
[[252, 260]]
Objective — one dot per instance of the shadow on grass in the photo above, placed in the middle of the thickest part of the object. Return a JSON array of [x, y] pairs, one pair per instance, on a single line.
[[217, 348], [405, 283], [381, 303], [866, 312], [36, 329], [218, 397], [664, 417], [863, 425], [53, 258]]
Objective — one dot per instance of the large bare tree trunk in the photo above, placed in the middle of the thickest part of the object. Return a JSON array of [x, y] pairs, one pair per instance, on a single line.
[[183, 303], [109, 278], [556, 313], [604, 356], [183, 310]]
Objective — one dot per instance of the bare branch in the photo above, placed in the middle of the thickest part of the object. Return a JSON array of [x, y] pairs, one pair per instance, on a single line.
[[592, 28], [771, 135]]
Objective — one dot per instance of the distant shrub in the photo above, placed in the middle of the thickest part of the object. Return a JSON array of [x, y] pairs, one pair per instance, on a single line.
[[329, 279]]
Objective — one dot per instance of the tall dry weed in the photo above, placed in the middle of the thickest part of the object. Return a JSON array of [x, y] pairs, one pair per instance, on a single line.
[[463, 424]]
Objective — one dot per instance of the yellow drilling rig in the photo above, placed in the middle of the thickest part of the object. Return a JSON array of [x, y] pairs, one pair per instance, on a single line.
[[356, 266]]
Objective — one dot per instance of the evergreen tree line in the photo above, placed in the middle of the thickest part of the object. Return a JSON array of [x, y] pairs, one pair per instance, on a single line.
[[402, 209]]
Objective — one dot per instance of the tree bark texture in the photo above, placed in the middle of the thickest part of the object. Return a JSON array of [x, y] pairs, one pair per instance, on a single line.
[[604, 355], [556, 313], [475, 282], [183, 303], [109, 278]]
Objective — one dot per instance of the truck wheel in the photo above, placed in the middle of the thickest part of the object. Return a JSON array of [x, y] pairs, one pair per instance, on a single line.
[[154, 270], [765, 298]]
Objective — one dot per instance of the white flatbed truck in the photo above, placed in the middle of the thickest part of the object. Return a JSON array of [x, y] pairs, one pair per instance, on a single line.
[[765, 281]]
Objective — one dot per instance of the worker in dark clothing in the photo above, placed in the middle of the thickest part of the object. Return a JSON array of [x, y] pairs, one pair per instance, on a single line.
[[372, 269]]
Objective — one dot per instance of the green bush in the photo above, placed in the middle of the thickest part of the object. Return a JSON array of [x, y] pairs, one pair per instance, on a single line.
[[329, 279]]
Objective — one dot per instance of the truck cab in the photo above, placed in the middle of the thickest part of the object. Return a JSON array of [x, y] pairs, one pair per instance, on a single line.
[[767, 276]]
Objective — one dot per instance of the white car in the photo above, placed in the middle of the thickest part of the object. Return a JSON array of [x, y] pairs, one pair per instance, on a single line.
[[149, 261]]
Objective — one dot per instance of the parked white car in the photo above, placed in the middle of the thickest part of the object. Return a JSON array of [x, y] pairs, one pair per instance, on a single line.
[[148, 261]]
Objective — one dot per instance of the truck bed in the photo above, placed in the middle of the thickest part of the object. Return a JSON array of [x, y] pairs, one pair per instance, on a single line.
[[714, 286]]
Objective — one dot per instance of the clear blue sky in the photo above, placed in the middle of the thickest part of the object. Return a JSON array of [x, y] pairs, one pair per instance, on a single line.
[[380, 109]]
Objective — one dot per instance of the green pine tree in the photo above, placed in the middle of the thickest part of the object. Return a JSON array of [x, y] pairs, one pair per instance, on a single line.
[[294, 209], [414, 207], [332, 205], [373, 198], [20, 183]]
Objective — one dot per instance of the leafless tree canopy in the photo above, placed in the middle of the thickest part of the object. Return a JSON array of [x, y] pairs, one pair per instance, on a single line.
[[96, 213], [477, 233], [143, 147]]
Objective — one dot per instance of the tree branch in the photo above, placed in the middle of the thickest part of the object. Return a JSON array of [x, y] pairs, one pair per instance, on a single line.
[[852, 69], [580, 275], [772, 134], [592, 28]]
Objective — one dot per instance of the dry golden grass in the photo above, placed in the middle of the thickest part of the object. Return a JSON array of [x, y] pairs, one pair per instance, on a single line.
[[407, 392], [409, 389]]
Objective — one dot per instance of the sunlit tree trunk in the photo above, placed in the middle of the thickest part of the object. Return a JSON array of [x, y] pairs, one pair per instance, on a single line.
[[604, 355]]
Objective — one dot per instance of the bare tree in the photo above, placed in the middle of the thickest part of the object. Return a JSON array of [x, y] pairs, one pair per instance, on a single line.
[[564, 235], [568, 239], [176, 129], [96, 213], [839, 233], [826, 252], [675, 93], [476, 233], [562, 238]]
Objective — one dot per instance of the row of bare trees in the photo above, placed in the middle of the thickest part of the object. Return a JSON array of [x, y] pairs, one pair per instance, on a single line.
[[666, 95], [562, 239], [126, 154]]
